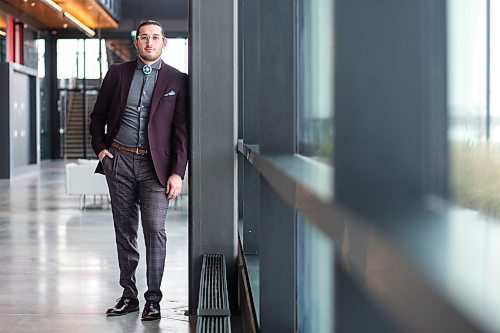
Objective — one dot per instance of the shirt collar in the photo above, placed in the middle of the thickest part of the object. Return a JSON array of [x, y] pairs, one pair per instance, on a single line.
[[155, 65]]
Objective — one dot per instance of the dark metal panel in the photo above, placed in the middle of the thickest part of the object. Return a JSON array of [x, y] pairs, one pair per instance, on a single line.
[[52, 96], [34, 126], [241, 43], [276, 45], [249, 59], [276, 135], [213, 162], [277, 262], [251, 209], [250, 71], [434, 119], [390, 90], [5, 119]]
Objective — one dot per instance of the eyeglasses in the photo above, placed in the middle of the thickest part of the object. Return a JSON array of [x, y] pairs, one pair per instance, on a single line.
[[156, 38]]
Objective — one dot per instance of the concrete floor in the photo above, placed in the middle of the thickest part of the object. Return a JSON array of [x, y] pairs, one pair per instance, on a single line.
[[58, 265]]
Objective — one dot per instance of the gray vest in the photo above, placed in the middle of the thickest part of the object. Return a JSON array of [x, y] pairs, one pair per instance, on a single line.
[[133, 130]]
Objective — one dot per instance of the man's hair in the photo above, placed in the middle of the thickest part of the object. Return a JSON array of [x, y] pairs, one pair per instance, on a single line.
[[150, 22]]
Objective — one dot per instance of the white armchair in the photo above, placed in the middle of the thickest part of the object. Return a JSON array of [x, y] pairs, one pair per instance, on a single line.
[[81, 180]]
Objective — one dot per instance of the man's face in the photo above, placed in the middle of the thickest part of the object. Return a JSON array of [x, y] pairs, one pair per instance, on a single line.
[[150, 42]]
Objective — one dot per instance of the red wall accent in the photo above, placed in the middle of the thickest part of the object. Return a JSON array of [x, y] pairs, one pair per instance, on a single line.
[[19, 42], [10, 39]]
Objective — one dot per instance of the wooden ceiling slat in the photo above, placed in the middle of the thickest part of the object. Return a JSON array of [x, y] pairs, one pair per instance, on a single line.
[[89, 12]]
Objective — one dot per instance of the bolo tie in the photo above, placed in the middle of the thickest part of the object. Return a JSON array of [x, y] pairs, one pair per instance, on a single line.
[[146, 69]]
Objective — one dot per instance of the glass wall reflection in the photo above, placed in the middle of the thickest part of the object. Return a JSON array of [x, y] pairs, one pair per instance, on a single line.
[[474, 103], [315, 79], [315, 284]]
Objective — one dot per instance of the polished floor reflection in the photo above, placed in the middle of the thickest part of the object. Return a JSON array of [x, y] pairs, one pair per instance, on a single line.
[[58, 265]]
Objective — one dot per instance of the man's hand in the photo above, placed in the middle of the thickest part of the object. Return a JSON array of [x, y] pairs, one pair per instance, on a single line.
[[174, 185], [103, 153]]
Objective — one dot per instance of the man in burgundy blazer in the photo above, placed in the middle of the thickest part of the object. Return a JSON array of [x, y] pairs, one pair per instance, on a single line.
[[139, 132]]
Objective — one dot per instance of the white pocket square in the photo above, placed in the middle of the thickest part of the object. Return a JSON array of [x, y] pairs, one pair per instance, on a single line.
[[170, 93]]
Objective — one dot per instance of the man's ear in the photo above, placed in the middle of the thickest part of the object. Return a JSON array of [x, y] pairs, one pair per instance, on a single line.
[[135, 44]]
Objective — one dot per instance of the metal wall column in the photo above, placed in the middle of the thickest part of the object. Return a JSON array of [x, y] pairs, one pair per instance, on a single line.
[[52, 96], [249, 59], [390, 131], [390, 101], [276, 136], [213, 161]]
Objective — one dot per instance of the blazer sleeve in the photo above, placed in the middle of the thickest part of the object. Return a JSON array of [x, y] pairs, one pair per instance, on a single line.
[[180, 129], [99, 115]]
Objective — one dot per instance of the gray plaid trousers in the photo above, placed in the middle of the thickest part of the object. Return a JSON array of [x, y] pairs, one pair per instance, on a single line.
[[133, 186]]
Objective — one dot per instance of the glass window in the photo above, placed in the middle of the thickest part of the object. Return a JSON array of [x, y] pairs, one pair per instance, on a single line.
[[315, 79], [467, 70], [176, 53], [40, 45], [495, 70], [315, 283], [30, 46], [473, 104], [315, 259], [70, 57]]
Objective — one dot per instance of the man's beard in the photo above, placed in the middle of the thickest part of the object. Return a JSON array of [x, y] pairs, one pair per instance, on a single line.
[[150, 57]]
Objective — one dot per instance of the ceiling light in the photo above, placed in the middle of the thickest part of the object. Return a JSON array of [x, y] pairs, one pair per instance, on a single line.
[[53, 5], [86, 30], [82, 27]]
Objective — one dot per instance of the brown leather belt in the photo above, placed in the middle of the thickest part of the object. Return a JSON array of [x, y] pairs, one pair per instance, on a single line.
[[137, 151]]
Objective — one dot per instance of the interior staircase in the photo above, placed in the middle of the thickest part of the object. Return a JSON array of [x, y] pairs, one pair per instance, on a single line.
[[73, 144]]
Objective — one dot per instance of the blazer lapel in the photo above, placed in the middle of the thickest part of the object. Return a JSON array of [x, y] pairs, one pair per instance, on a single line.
[[161, 84], [127, 77]]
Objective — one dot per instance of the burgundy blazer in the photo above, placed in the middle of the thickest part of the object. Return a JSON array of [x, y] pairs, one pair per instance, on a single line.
[[168, 117]]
